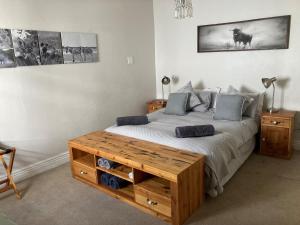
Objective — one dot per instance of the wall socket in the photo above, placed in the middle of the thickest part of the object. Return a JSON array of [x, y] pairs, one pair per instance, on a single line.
[[130, 60]]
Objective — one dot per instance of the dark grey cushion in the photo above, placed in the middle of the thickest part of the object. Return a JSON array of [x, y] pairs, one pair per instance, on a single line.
[[193, 100], [132, 120], [176, 104], [205, 98], [195, 131], [229, 107]]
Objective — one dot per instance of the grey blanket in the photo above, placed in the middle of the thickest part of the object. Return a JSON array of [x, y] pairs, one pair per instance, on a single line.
[[221, 150]]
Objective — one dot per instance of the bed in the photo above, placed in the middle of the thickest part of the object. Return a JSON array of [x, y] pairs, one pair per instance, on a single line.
[[225, 152]]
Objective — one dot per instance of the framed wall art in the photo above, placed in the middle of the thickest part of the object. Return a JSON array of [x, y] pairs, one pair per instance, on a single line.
[[258, 34], [7, 55], [19, 47]]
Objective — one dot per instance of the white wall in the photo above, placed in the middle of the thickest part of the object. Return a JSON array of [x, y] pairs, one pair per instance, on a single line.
[[176, 49], [44, 106]]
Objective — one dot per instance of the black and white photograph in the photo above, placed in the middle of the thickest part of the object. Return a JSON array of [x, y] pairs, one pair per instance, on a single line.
[[259, 34], [79, 47], [50, 47], [7, 57], [26, 46]]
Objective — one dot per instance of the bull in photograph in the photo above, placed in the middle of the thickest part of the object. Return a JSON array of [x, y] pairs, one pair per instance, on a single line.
[[240, 37]]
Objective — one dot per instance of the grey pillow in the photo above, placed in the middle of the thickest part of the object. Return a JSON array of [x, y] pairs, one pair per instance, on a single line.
[[176, 104], [254, 109], [214, 92], [229, 107], [249, 99], [193, 100], [205, 98]]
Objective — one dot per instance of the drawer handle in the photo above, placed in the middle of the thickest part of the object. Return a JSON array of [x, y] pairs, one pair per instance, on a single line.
[[83, 172], [150, 202], [263, 139], [275, 122]]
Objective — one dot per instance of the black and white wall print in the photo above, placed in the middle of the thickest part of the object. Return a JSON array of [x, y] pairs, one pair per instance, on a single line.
[[79, 47], [50, 47], [7, 56], [258, 34], [26, 47], [29, 47]]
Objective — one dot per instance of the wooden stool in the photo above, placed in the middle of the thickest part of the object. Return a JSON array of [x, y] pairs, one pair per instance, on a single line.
[[8, 168]]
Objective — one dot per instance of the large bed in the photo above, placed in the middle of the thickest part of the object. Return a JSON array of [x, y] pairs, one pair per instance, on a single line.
[[225, 151]]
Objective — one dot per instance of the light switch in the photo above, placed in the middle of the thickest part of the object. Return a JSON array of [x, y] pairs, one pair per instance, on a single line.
[[129, 60]]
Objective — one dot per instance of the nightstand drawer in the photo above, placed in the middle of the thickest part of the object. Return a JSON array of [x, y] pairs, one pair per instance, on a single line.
[[152, 107], [280, 122], [156, 105], [85, 172], [153, 201]]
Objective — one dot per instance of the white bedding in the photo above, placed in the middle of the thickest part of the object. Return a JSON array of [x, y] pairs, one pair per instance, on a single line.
[[223, 151]]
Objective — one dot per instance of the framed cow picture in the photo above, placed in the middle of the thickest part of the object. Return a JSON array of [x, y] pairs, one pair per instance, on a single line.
[[258, 34]]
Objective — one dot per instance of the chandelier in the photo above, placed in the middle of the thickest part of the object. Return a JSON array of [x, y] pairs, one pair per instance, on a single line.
[[183, 9]]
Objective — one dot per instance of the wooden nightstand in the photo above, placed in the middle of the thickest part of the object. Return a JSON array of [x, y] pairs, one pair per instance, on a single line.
[[277, 130], [156, 104]]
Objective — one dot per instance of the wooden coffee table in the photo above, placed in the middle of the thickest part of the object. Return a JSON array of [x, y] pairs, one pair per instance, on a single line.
[[166, 182]]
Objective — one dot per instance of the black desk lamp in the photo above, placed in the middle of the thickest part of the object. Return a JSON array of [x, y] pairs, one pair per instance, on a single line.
[[165, 81]]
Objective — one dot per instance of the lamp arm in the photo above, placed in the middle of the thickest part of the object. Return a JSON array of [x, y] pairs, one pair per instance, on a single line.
[[273, 96]]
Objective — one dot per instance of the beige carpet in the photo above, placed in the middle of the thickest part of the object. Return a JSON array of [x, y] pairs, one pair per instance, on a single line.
[[265, 191]]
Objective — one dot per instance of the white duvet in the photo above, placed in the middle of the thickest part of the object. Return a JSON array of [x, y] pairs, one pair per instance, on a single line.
[[220, 149]]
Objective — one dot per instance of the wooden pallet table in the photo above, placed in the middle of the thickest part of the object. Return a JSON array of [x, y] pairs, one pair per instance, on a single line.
[[166, 182]]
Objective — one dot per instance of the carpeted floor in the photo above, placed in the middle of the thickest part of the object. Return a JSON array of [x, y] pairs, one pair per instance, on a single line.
[[5, 221], [265, 191]]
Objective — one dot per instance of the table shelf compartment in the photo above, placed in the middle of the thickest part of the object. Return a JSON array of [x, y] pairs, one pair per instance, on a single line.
[[83, 158]]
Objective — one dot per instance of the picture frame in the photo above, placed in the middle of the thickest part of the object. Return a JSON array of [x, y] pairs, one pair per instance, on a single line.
[[25, 47], [256, 34]]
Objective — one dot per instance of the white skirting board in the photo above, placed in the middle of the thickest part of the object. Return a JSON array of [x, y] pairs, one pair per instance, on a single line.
[[39, 167]]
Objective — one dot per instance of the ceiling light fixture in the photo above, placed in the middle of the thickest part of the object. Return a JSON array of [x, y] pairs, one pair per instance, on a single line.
[[183, 9]]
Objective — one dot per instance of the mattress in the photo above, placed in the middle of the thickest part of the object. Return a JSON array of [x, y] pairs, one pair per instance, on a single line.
[[225, 151]]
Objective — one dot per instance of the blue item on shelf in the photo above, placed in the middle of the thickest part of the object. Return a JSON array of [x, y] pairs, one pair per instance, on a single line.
[[117, 183], [107, 164], [105, 179]]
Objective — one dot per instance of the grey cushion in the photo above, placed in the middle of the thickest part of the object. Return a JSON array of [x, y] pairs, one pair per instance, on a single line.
[[229, 107], [193, 100], [254, 109], [214, 92], [205, 98], [176, 104], [249, 99]]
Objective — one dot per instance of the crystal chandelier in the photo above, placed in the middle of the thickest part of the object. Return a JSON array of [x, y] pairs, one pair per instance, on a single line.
[[183, 9]]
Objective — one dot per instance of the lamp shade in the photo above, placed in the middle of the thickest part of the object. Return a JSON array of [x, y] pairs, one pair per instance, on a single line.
[[166, 80], [267, 82]]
